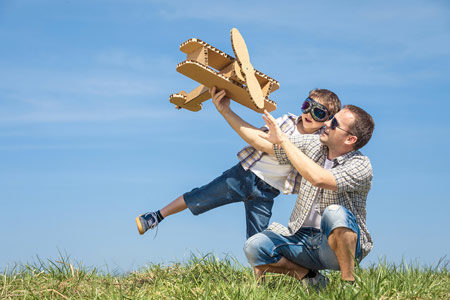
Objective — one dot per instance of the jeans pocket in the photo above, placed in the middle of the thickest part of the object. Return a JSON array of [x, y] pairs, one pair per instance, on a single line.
[[316, 240]]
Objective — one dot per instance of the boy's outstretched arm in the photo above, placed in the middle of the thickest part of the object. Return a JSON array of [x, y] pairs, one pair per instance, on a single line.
[[247, 132], [310, 170]]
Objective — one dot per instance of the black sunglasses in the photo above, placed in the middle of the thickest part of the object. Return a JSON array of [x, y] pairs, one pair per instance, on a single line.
[[318, 111], [335, 124]]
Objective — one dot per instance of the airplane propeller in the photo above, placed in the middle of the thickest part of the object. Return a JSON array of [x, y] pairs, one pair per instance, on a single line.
[[243, 58]]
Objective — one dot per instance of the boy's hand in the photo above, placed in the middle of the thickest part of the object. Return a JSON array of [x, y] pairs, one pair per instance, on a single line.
[[275, 135], [220, 100]]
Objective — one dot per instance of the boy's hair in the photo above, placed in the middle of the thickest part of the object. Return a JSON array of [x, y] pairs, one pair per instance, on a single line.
[[327, 98], [362, 127]]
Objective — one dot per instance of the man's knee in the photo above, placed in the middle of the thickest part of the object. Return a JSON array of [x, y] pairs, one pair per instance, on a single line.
[[343, 234], [335, 216], [333, 213], [338, 224], [255, 249]]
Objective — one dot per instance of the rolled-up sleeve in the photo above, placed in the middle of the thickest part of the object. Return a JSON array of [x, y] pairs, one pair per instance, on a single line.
[[354, 175]]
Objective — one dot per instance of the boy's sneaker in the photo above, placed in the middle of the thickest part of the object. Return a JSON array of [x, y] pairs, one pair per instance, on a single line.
[[318, 282], [146, 221]]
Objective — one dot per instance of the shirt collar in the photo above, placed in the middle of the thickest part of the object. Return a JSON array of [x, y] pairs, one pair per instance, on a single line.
[[295, 118], [344, 157], [340, 159]]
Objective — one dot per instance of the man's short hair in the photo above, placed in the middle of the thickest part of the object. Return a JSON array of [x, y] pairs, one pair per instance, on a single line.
[[362, 127], [327, 98]]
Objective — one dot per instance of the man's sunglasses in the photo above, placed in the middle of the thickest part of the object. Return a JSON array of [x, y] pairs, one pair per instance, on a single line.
[[318, 111], [335, 124]]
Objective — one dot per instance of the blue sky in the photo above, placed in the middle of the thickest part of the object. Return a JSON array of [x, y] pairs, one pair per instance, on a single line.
[[88, 138]]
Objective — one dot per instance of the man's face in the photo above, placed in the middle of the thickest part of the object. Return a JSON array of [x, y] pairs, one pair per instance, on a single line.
[[338, 137]]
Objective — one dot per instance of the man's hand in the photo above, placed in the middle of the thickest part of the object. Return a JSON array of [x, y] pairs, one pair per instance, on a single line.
[[275, 135], [220, 100]]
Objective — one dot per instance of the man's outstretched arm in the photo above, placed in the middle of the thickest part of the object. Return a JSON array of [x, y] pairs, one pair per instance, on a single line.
[[247, 132], [309, 169]]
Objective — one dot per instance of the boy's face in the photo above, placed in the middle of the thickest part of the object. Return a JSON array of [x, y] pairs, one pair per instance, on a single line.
[[309, 123]]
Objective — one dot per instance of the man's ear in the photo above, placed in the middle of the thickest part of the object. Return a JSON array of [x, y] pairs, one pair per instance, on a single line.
[[351, 140]]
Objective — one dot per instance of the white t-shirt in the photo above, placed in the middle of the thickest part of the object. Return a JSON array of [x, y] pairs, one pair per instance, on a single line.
[[313, 218], [269, 169]]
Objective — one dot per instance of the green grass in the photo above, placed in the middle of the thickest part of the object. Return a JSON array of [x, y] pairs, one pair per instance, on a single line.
[[210, 278]]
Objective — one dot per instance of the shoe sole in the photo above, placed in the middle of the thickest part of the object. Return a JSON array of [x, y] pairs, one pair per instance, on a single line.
[[139, 225]]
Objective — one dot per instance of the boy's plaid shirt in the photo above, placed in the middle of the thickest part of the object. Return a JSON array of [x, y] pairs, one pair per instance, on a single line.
[[353, 174], [248, 156]]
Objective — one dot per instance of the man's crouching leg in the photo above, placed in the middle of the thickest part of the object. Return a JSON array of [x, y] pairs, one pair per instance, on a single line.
[[261, 252], [342, 230]]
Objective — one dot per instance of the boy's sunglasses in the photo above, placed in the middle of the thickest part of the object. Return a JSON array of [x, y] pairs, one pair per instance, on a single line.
[[335, 124], [318, 111]]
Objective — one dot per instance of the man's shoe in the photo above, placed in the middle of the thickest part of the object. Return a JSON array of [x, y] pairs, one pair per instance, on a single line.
[[318, 282], [146, 221]]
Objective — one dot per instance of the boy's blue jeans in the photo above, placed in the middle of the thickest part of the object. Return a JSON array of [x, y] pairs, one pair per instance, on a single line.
[[236, 185], [308, 247]]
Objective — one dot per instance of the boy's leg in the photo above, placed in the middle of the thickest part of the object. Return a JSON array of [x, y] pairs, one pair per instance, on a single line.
[[150, 220], [258, 206], [233, 185], [257, 213], [174, 207]]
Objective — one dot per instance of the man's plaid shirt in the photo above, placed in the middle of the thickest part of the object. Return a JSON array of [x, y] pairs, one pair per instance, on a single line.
[[353, 174], [248, 156]]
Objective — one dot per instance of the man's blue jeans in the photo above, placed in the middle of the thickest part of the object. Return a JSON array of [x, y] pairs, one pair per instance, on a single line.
[[308, 247], [236, 185]]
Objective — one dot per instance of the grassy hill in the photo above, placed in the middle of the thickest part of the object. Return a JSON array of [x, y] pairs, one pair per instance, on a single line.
[[210, 278]]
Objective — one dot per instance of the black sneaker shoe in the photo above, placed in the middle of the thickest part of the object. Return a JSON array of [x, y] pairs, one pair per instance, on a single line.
[[318, 282], [146, 221]]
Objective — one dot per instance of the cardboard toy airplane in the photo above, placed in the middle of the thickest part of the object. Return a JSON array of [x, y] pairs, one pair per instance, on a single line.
[[211, 67]]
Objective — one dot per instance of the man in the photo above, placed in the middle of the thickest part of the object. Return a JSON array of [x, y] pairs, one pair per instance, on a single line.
[[327, 228], [258, 177]]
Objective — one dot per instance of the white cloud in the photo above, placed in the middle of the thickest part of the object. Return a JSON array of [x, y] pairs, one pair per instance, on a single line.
[[83, 116], [88, 83], [109, 90]]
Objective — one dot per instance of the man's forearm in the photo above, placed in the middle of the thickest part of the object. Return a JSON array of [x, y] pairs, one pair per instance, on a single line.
[[246, 131], [310, 170]]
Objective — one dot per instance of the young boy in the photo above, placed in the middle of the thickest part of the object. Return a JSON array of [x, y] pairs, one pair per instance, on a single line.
[[258, 177]]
